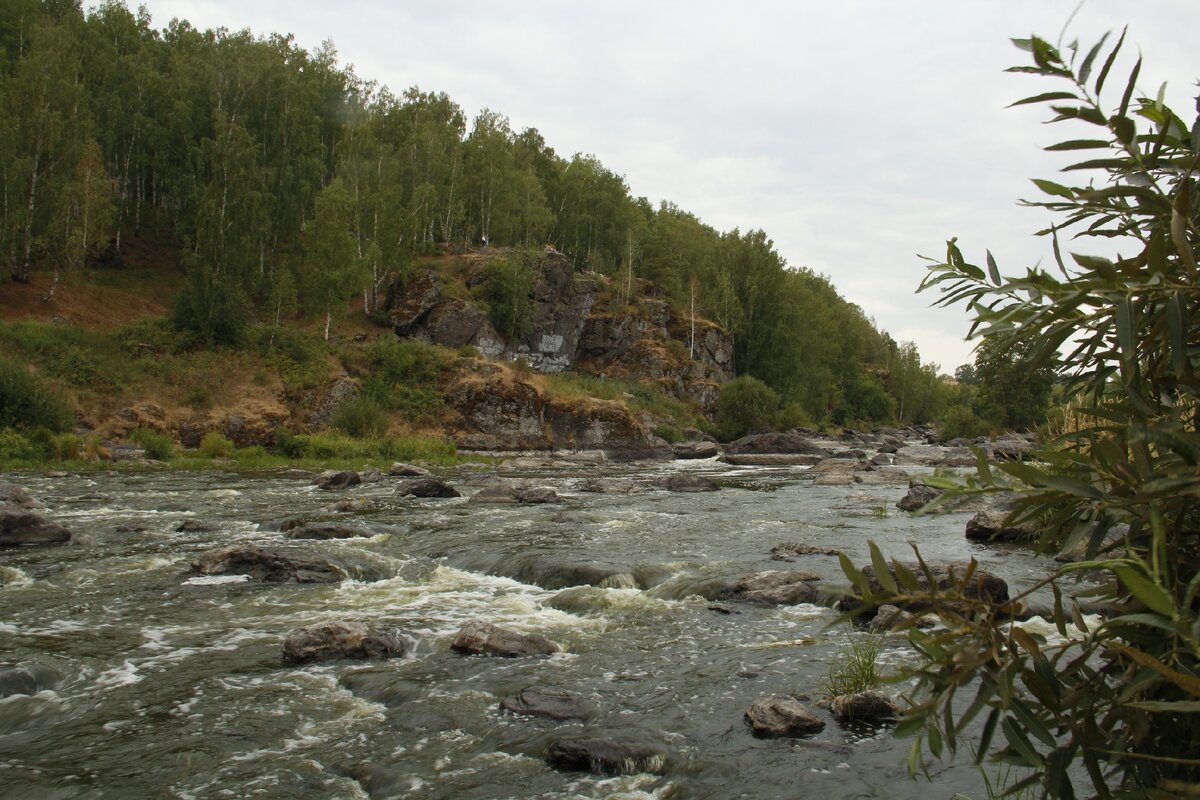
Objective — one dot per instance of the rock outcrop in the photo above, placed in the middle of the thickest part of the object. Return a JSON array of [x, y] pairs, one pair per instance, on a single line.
[[342, 639]]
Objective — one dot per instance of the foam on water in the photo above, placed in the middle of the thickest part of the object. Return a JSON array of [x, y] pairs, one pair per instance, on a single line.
[[14, 578], [215, 580]]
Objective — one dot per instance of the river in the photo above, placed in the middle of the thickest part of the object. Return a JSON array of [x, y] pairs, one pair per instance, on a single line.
[[172, 686]]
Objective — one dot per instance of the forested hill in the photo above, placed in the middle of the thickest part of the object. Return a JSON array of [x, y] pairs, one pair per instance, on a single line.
[[292, 185]]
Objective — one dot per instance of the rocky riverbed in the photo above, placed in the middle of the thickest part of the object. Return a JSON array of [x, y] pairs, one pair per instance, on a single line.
[[556, 631]]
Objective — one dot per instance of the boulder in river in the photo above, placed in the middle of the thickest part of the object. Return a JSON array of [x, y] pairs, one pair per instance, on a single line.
[[483, 639], [426, 487], [787, 551], [342, 639], [871, 708], [780, 715], [193, 525], [16, 497], [609, 486], [27, 678], [337, 479], [919, 495], [774, 588], [400, 470], [983, 585], [536, 702], [606, 756], [691, 450], [687, 482], [992, 524], [329, 530], [789, 443], [19, 526], [515, 493], [284, 565]]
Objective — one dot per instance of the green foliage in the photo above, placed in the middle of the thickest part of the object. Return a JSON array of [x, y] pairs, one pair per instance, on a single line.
[[16, 447], [403, 376], [333, 447], [793, 415], [638, 396], [1014, 388], [26, 402], [362, 418], [854, 668], [158, 446], [1124, 698], [210, 311], [215, 445], [746, 405], [960, 422], [505, 290], [668, 433]]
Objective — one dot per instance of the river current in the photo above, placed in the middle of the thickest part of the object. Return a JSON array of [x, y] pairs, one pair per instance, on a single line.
[[170, 685]]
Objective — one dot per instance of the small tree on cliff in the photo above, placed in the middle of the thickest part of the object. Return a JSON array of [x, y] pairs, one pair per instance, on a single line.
[[1125, 696]]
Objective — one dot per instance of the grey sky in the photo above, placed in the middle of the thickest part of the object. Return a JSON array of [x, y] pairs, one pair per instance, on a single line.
[[855, 133]]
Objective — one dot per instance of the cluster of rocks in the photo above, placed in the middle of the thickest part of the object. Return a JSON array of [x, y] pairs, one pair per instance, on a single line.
[[22, 523]]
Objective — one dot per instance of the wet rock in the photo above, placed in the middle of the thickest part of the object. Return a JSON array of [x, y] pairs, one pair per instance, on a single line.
[[790, 443], [356, 506], [838, 471], [1012, 447], [56, 473], [400, 470], [933, 455], [774, 588], [723, 610], [919, 494], [342, 639], [686, 482], [381, 686], [22, 527], [609, 486], [329, 530], [983, 585], [426, 487], [891, 618], [771, 459], [690, 450], [337, 479], [285, 565], [483, 639], [606, 756], [787, 551], [27, 678], [194, 526], [536, 702], [371, 475], [882, 460], [883, 476], [782, 716], [871, 708], [510, 493], [16, 497], [992, 525]]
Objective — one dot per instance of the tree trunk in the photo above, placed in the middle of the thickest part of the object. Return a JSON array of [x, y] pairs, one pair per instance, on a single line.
[[328, 320]]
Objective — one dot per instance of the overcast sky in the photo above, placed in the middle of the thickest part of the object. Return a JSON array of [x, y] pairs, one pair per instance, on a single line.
[[856, 133]]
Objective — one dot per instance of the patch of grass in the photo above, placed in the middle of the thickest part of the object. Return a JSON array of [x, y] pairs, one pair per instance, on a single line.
[[214, 445], [637, 396], [854, 668], [361, 417], [27, 402], [158, 446], [403, 375]]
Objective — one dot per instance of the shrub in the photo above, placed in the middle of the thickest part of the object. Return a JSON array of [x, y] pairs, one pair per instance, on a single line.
[[66, 447], [362, 418], [214, 445], [289, 444], [854, 668], [960, 422], [210, 310], [505, 291], [26, 402], [14, 446], [746, 404], [158, 446], [669, 433], [793, 415]]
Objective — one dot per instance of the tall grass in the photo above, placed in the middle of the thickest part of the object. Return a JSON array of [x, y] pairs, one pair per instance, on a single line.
[[854, 668]]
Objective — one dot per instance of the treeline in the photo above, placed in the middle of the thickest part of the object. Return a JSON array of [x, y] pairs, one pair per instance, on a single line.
[[291, 183]]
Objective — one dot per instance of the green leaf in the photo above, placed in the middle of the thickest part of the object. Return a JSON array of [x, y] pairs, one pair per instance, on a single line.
[[1054, 189], [1042, 98], [882, 574], [1085, 69], [1126, 328], [985, 737], [856, 577], [1112, 57], [1167, 706], [1019, 742], [1079, 144], [1129, 91], [1124, 128], [1145, 590], [993, 270]]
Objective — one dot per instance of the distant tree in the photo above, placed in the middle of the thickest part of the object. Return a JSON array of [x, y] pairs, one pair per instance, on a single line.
[[85, 214], [746, 405], [507, 283], [1014, 386], [330, 252]]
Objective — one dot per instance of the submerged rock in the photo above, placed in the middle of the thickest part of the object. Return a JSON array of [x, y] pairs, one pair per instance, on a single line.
[[381, 685], [609, 486], [483, 639], [606, 756], [282, 565], [774, 588], [515, 493], [871, 708], [342, 639], [19, 526], [426, 487], [16, 497], [686, 482], [337, 479], [194, 526], [782, 716], [328, 530], [27, 678], [536, 702], [787, 551]]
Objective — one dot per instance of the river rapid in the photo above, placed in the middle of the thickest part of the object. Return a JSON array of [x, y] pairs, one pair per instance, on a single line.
[[171, 685]]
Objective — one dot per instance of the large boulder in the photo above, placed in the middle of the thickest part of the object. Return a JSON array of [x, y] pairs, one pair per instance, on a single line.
[[337, 479], [536, 702], [687, 482], [409, 307], [401, 470], [29, 678], [782, 716], [284, 565], [606, 756], [426, 487], [773, 588], [329, 530], [692, 450], [342, 639], [19, 526], [788, 551], [483, 639], [870, 708], [789, 443]]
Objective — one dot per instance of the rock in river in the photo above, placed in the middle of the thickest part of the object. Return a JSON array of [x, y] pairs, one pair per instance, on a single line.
[[605, 756], [782, 716], [482, 639], [686, 482], [871, 708], [919, 494], [426, 487], [280, 565], [337, 639], [337, 479], [774, 588], [535, 702], [19, 526], [329, 530]]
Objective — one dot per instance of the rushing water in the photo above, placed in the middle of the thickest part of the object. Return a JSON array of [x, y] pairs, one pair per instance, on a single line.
[[172, 685]]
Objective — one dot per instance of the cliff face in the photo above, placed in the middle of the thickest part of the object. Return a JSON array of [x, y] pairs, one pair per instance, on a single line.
[[572, 328]]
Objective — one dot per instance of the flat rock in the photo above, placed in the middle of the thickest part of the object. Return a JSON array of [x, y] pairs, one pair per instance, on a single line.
[[426, 487], [686, 482], [194, 526], [609, 486], [606, 756], [780, 715], [871, 708], [329, 530], [483, 639], [400, 470], [19, 526], [773, 588], [342, 639], [690, 450], [536, 702], [337, 479], [789, 443], [788, 551], [284, 565]]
